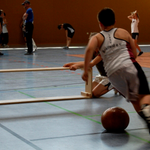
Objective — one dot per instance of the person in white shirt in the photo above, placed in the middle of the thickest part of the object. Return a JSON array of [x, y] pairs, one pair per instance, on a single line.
[[5, 36], [118, 52], [134, 17]]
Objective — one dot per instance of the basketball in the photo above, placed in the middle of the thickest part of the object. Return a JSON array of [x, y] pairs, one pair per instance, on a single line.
[[115, 119]]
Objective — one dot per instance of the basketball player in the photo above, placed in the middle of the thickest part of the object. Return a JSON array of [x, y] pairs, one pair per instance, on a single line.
[[69, 33], [118, 52], [134, 17], [101, 84]]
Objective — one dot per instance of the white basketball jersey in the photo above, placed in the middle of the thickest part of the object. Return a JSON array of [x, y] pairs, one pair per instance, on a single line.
[[115, 52], [134, 26]]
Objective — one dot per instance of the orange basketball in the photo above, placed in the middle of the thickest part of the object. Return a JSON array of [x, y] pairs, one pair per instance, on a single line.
[[115, 119]]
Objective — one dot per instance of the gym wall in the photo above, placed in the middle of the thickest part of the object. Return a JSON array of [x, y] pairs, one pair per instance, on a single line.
[[81, 14]]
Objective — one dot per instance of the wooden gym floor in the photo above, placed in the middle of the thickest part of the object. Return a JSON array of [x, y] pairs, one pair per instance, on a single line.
[[63, 125]]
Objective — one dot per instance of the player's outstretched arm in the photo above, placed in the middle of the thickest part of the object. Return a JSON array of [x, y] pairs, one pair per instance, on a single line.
[[74, 65]]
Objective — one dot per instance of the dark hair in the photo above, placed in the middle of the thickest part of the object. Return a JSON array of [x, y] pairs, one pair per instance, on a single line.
[[107, 17], [59, 26]]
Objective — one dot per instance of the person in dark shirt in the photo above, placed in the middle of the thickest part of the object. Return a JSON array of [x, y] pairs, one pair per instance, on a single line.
[[1, 24], [28, 18], [69, 33]]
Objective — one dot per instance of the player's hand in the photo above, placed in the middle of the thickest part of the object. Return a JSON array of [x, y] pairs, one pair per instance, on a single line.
[[74, 67], [68, 64], [85, 76]]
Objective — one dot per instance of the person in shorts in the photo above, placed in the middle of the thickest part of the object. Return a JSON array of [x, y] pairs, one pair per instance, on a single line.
[[134, 18], [1, 25], [69, 33], [101, 84], [118, 52]]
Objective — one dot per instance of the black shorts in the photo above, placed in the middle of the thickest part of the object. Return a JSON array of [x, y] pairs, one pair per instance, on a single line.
[[135, 36], [144, 87], [0, 38], [70, 34]]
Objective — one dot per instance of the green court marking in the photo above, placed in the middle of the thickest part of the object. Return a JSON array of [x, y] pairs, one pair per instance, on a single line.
[[63, 109], [26, 94], [138, 137], [93, 116], [73, 112], [85, 116], [132, 112]]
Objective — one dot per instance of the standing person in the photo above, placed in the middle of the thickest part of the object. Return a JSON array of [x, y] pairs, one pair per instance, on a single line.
[[134, 17], [1, 24], [22, 25], [28, 17], [5, 36], [69, 33], [118, 52]]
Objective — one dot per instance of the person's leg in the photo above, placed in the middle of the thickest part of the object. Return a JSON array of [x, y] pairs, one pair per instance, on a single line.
[[34, 45], [68, 41], [143, 100], [142, 107], [28, 42], [0, 43], [137, 46], [2, 39], [135, 42], [99, 90], [30, 39], [132, 83], [5, 40], [29, 29], [100, 86]]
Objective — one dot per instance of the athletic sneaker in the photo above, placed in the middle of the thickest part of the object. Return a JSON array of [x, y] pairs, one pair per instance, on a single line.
[[1, 53], [28, 53], [140, 53], [66, 47], [6, 46], [145, 114], [34, 49]]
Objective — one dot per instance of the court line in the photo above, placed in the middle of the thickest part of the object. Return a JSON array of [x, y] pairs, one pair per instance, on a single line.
[[77, 114], [138, 137], [58, 47], [85, 117], [69, 136], [45, 48], [101, 115], [20, 137]]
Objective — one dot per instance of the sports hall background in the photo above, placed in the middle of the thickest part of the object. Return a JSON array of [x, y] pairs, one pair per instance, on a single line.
[[81, 14]]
